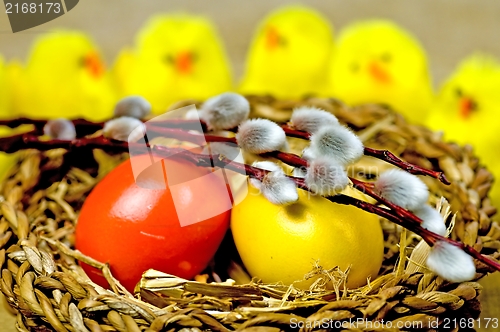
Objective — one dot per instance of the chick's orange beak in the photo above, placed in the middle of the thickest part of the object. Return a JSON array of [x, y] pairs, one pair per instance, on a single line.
[[94, 64], [466, 105], [272, 38], [184, 62], [378, 73]]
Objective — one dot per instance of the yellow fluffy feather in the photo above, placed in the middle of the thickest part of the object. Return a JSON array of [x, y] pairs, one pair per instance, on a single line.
[[376, 61], [289, 54], [7, 161], [466, 110], [4, 90], [176, 57], [64, 77]]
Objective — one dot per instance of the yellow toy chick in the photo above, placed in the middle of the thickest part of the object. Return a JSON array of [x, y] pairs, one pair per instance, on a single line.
[[7, 161], [4, 90], [289, 54], [376, 61], [65, 77], [466, 110], [176, 57]]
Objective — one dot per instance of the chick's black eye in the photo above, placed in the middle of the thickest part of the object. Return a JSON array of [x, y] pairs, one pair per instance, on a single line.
[[194, 56], [386, 57], [283, 42], [354, 67], [169, 59], [459, 92]]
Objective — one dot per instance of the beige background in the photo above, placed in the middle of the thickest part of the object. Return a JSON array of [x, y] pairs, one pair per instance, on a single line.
[[448, 29]]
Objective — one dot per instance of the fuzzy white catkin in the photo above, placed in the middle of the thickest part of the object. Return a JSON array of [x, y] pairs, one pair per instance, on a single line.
[[337, 142], [268, 166], [62, 129], [225, 111], [275, 186], [402, 188], [450, 262], [431, 219], [310, 119], [133, 106], [324, 176], [121, 128], [308, 154], [260, 136]]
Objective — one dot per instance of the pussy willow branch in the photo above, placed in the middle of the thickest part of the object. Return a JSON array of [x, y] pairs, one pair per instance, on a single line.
[[24, 141], [289, 159], [29, 141], [384, 155], [296, 161], [90, 125], [426, 235], [39, 123], [220, 161]]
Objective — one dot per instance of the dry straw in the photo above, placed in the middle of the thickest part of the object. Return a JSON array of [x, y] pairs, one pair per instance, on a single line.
[[42, 280]]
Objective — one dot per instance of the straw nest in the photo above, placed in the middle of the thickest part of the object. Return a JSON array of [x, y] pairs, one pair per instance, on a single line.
[[42, 281]]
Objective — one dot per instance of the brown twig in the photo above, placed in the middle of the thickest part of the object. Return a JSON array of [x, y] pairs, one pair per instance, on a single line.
[[389, 157], [296, 161], [384, 155], [184, 135], [40, 123], [31, 141], [182, 124]]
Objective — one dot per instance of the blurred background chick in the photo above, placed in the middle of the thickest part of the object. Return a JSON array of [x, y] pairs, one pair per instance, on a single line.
[[288, 55], [4, 90], [466, 110], [176, 57], [6, 160], [64, 77], [377, 61]]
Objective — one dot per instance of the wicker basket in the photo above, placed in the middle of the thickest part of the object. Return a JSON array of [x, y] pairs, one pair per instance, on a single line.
[[42, 281]]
